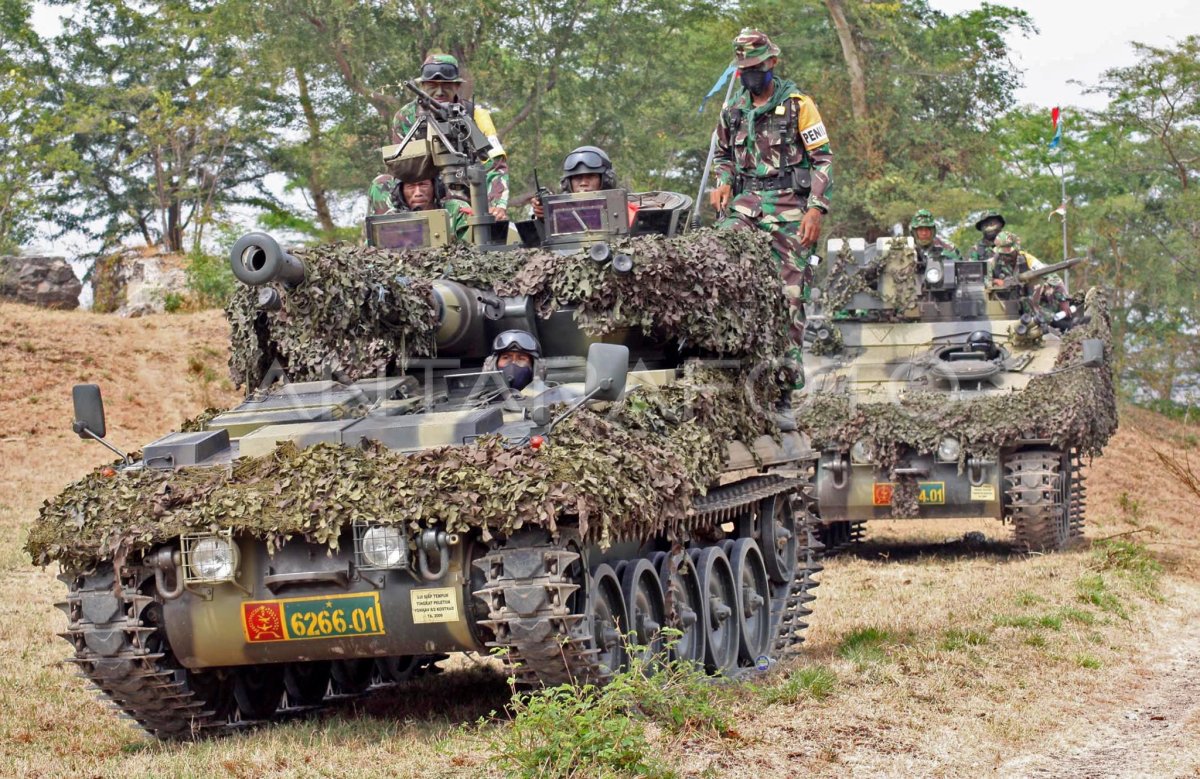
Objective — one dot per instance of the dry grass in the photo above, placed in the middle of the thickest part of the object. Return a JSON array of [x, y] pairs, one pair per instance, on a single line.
[[928, 655]]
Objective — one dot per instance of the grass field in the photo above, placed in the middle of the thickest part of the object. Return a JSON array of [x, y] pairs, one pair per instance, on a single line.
[[930, 652]]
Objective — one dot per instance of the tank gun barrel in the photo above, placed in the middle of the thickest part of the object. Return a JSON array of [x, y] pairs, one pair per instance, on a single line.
[[1033, 275], [257, 259]]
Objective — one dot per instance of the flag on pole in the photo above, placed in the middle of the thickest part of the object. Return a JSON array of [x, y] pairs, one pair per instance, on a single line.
[[1054, 117], [729, 71], [1060, 211]]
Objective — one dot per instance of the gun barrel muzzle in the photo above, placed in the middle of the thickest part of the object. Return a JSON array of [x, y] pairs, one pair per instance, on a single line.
[[257, 259]]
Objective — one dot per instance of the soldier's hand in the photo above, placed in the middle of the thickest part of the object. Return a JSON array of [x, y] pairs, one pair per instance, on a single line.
[[719, 197], [538, 211], [501, 214], [810, 226]]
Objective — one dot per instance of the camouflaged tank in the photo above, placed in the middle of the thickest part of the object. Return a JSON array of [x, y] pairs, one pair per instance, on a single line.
[[382, 499], [933, 393]]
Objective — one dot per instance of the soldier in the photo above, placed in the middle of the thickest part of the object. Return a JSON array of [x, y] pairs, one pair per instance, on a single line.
[[930, 246], [388, 195], [516, 354], [1047, 295], [990, 224], [585, 169], [440, 77], [773, 166]]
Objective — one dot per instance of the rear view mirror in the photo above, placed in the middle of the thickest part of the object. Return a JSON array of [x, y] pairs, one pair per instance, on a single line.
[[1093, 352], [89, 411], [607, 369]]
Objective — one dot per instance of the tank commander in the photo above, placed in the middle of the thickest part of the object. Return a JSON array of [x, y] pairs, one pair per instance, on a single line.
[[990, 224], [389, 195], [773, 166], [585, 169], [440, 77], [517, 355], [1048, 295], [930, 246]]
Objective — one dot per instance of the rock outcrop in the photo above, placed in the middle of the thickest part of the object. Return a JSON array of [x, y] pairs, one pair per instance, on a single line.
[[133, 283], [49, 282]]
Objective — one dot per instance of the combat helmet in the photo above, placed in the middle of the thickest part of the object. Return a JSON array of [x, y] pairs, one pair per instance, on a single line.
[[441, 67], [923, 218], [588, 159], [992, 214], [1007, 242]]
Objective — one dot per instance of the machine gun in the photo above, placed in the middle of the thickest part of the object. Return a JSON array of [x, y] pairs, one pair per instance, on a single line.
[[1033, 275]]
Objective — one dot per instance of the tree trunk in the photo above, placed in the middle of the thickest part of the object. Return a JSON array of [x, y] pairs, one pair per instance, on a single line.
[[858, 83], [315, 186]]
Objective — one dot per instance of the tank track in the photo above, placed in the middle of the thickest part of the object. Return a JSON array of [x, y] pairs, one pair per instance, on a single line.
[[840, 536], [1078, 495], [1041, 498], [530, 585]]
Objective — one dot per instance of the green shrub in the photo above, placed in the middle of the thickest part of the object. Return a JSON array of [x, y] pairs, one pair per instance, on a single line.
[[209, 279]]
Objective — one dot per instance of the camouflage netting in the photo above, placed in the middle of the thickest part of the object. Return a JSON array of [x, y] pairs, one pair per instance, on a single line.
[[363, 309], [631, 472], [1073, 409], [846, 278]]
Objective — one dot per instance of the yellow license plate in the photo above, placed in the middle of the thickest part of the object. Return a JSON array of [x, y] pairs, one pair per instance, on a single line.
[[929, 493], [334, 616]]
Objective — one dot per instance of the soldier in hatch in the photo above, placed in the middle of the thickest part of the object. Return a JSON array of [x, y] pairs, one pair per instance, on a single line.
[[1047, 295], [990, 224], [389, 195], [440, 77], [516, 354], [773, 165], [930, 246], [585, 169]]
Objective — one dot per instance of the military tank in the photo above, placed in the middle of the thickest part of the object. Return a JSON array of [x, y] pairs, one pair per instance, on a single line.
[[934, 393], [382, 498]]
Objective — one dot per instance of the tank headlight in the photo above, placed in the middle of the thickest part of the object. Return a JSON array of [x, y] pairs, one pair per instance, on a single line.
[[933, 274], [384, 546], [213, 559], [861, 452], [948, 450]]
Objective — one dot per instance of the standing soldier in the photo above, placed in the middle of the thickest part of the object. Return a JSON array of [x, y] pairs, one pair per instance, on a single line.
[[990, 224], [773, 171], [930, 246], [440, 77]]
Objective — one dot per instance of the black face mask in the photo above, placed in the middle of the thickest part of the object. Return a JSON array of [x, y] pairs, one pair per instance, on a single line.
[[518, 376], [990, 231], [756, 81]]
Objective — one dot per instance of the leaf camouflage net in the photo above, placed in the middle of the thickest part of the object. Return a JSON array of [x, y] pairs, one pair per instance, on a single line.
[[1073, 409], [362, 310], [631, 472]]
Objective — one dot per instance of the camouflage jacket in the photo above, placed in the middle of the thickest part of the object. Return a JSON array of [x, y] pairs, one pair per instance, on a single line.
[[1025, 261], [496, 164], [938, 249], [982, 252], [765, 141]]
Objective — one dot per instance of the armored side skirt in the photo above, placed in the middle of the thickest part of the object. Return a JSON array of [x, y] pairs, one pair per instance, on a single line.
[[857, 492]]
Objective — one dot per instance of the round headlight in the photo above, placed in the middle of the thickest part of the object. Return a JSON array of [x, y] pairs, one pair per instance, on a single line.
[[948, 450], [861, 452], [383, 546], [933, 274], [214, 558]]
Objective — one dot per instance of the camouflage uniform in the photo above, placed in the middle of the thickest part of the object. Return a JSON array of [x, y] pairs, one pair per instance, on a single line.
[[496, 165], [1045, 296], [938, 248], [758, 148], [380, 201], [982, 252]]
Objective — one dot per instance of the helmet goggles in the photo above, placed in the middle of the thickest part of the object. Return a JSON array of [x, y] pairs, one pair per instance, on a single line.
[[589, 161], [518, 340], [439, 71]]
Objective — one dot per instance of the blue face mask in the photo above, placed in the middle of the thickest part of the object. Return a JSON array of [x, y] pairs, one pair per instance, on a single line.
[[518, 376], [756, 81]]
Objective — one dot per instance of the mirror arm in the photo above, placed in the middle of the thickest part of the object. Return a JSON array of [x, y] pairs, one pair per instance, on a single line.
[[578, 405], [82, 430]]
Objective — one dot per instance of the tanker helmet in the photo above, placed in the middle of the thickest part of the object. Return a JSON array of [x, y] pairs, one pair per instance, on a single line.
[[440, 67], [752, 48], [923, 218], [516, 341], [1007, 242], [993, 214], [588, 159]]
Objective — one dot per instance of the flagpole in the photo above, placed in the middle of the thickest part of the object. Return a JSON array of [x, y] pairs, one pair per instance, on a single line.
[[712, 149], [1062, 180]]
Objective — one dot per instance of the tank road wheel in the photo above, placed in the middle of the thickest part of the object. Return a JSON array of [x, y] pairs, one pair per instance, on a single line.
[[778, 526], [306, 683], [681, 593], [398, 669], [646, 608], [352, 677], [606, 606], [1038, 490], [258, 690], [754, 601], [720, 601]]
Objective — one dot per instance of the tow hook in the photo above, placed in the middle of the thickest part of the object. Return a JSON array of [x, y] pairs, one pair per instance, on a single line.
[[434, 541], [167, 559]]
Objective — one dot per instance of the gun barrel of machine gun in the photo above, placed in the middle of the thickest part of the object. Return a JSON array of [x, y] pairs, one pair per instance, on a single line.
[[257, 259], [1032, 275], [427, 102]]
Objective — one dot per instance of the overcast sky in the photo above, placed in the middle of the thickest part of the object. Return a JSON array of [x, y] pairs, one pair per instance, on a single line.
[[1080, 39]]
